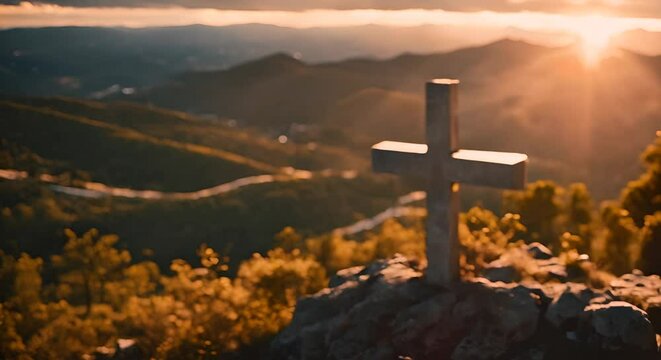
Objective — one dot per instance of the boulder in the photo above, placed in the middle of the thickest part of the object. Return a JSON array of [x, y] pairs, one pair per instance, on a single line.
[[566, 307], [653, 310], [617, 325], [496, 316], [501, 272]]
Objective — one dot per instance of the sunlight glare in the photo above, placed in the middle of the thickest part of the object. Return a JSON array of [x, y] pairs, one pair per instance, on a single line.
[[594, 35]]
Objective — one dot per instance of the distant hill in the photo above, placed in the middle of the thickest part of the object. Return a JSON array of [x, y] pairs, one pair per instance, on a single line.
[[287, 90], [640, 41], [130, 145], [515, 97]]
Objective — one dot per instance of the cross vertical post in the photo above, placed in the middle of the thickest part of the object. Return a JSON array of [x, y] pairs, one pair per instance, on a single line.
[[442, 195]]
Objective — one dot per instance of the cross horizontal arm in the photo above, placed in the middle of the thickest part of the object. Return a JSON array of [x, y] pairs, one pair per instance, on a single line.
[[488, 168], [399, 158]]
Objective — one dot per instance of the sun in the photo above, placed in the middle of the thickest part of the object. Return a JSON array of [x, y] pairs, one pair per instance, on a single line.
[[594, 37], [593, 44]]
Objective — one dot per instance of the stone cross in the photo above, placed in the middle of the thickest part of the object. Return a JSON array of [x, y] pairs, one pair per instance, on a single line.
[[444, 166]]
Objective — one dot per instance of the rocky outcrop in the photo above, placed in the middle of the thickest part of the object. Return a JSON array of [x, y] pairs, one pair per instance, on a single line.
[[387, 311]]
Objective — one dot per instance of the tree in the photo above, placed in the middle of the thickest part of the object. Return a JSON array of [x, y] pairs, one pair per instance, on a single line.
[[642, 197], [27, 281], [289, 239], [650, 259], [11, 343], [622, 239], [579, 218], [274, 283], [484, 237], [539, 206], [87, 265]]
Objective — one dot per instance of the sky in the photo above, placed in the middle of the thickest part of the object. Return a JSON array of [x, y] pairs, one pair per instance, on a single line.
[[593, 21], [629, 8]]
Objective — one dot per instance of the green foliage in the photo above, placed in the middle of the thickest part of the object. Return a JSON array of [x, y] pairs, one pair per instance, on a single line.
[[336, 252], [276, 281], [539, 206], [622, 239], [484, 237], [11, 343], [552, 214], [580, 218], [27, 281], [642, 197], [239, 223], [289, 239], [650, 259], [87, 265]]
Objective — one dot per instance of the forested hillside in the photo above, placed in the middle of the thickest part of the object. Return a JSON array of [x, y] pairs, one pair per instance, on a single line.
[[75, 143], [239, 223], [134, 146]]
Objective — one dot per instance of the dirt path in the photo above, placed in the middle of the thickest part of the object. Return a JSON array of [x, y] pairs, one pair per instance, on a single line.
[[98, 190]]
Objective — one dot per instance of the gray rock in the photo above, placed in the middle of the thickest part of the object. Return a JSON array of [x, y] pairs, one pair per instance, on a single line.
[[344, 275], [502, 315], [565, 309], [504, 273], [425, 325], [617, 326], [654, 312], [478, 346]]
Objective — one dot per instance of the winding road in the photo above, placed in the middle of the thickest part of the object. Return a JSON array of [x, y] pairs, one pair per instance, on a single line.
[[396, 211], [98, 190]]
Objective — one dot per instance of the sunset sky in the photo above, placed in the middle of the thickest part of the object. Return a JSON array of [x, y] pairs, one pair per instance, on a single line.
[[593, 21], [528, 14], [631, 8]]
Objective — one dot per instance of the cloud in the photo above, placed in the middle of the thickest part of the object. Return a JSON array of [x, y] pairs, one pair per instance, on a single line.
[[632, 8]]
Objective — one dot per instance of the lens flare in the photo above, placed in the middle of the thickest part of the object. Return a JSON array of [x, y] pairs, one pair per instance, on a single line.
[[594, 35]]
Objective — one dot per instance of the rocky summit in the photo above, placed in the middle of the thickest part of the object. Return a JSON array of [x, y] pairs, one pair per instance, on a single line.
[[386, 310]]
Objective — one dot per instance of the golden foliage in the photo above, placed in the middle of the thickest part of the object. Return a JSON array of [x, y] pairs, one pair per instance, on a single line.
[[194, 313], [336, 252]]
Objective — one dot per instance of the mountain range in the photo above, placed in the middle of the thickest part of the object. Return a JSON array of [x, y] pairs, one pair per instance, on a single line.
[[97, 62], [578, 122]]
